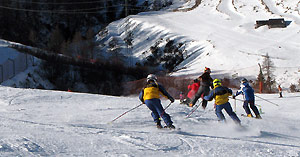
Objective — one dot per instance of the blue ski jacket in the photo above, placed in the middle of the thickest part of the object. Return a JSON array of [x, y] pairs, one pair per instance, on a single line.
[[247, 91]]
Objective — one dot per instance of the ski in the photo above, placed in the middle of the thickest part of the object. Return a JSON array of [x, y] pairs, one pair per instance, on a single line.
[[171, 129], [243, 115]]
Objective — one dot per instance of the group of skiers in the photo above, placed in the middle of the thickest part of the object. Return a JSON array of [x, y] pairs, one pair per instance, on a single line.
[[150, 95]]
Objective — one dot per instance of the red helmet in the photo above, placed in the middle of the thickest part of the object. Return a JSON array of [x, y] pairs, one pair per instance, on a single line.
[[207, 70]]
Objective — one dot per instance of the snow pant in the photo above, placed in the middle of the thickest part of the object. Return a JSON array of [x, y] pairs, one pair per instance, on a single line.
[[252, 106], [202, 90], [157, 110], [280, 94], [229, 111]]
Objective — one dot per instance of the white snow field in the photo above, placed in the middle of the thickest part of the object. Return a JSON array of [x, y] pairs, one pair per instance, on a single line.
[[54, 123]]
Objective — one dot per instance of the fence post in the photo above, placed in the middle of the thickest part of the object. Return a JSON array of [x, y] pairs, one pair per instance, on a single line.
[[26, 61], [14, 67], [1, 73]]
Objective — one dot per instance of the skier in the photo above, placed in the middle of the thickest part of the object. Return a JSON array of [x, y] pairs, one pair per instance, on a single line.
[[150, 95], [220, 94], [248, 93], [280, 91], [193, 90], [181, 97], [205, 83]]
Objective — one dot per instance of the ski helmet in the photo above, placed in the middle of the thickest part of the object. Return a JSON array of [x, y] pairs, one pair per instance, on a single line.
[[217, 82], [151, 77], [207, 70], [244, 80]]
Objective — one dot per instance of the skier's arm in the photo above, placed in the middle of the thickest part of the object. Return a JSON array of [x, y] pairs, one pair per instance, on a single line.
[[165, 93], [238, 93], [141, 96], [229, 91], [211, 83], [210, 96]]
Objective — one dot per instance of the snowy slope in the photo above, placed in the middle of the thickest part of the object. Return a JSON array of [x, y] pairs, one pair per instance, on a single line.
[[53, 123], [221, 35]]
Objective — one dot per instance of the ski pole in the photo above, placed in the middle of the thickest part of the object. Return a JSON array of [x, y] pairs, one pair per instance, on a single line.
[[125, 113], [236, 99], [165, 109], [234, 105], [193, 110], [267, 100]]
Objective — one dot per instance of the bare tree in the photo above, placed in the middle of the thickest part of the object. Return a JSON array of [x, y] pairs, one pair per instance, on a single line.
[[56, 40], [268, 68]]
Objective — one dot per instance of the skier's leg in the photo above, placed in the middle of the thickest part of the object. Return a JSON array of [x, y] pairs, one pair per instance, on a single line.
[[254, 108], [246, 107], [150, 104], [197, 96], [219, 113], [204, 103], [205, 93], [230, 112], [160, 110]]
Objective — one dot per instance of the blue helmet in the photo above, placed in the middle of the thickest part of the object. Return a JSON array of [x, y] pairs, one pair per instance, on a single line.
[[244, 80]]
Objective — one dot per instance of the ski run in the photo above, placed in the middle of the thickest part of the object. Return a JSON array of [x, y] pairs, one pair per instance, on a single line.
[[53, 123]]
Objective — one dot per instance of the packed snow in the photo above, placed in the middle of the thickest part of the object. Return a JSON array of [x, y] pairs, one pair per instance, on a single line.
[[53, 123]]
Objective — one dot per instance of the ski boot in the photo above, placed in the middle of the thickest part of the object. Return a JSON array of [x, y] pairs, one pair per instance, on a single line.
[[204, 106], [171, 126], [158, 125], [258, 117], [249, 115]]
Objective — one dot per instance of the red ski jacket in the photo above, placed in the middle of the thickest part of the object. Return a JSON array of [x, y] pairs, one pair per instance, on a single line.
[[193, 89]]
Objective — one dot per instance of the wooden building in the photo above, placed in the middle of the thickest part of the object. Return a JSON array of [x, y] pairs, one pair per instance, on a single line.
[[272, 23]]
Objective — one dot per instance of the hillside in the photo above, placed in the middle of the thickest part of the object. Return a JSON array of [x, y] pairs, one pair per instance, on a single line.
[[216, 34]]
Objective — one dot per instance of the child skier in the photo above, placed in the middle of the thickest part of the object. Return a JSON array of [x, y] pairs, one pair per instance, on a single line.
[[205, 83], [150, 95], [181, 97], [193, 90], [220, 94], [248, 93]]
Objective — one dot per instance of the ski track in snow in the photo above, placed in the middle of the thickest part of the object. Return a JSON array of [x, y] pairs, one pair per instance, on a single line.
[[60, 127]]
